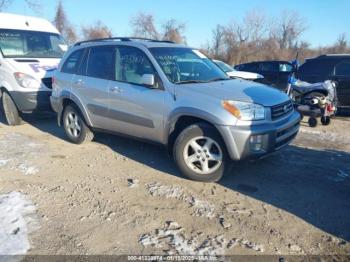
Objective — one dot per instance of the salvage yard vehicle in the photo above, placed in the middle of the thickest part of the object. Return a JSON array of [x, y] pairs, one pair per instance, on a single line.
[[31, 49], [139, 88], [329, 67], [276, 73], [231, 72]]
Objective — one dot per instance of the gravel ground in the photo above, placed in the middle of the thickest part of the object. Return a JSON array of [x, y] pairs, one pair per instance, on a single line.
[[120, 196]]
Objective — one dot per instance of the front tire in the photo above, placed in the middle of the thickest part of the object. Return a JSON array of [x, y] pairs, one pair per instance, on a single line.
[[200, 153], [312, 122], [10, 110], [75, 127]]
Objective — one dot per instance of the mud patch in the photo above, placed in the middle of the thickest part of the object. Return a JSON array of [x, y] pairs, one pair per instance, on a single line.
[[19, 152]]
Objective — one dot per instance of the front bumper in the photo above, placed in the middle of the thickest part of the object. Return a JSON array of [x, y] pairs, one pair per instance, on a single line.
[[32, 101], [274, 136]]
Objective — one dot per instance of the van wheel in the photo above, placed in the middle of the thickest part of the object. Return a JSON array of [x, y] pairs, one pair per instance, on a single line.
[[10, 110], [75, 127], [200, 153]]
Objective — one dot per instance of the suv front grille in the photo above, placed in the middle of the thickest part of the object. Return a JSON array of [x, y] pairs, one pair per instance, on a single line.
[[281, 110], [47, 82]]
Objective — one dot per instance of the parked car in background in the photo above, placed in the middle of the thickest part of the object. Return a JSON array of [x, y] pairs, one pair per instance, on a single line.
[[31, 49], [172, 95], [329, 67], [231, 72], [276, 73]]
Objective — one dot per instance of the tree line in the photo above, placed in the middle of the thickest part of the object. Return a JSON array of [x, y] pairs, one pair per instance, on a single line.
[[256, 37]]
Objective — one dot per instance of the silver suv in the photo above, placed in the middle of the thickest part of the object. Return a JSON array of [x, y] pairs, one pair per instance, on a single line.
[[173, 95]]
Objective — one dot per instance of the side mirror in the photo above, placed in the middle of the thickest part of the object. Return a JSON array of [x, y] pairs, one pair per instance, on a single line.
[[148, 80]]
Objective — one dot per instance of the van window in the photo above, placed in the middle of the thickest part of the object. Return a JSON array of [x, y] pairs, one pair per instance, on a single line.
[[316, 67], [101, 62], [31, 44], [72, 63], [343, 69], [131, 65]]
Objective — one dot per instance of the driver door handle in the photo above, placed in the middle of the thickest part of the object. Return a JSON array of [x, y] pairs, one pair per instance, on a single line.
[[79, 83], [115, 89]]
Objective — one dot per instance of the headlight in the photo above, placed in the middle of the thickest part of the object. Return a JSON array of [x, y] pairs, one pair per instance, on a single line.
[[26, 81], [245, 111]]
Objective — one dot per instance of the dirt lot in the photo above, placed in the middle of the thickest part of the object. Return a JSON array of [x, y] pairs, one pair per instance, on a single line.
[[118, 196]]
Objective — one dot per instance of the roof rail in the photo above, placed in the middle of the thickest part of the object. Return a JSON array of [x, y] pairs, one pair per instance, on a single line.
[[332, 55], [123, 39]]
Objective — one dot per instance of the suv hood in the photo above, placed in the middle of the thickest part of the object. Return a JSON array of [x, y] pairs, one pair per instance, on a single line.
[[37, 68], [238, 90]]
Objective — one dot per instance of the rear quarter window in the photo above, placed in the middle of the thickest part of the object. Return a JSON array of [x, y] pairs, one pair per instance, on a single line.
[[71, 64]]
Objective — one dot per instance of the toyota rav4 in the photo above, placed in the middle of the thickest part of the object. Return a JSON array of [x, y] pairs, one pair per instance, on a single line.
[[173, 95]]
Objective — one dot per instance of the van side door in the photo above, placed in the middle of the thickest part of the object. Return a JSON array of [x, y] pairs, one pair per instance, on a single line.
[[342, 77]]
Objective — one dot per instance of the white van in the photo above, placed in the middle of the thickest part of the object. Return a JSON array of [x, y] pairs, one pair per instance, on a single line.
[[30, 50]]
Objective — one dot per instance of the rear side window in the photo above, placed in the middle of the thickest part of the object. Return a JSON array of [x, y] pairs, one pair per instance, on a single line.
[[72, 63], [101, 62], [253, 67], [343, 69], [284, 67], [316, 67], [269, 67]]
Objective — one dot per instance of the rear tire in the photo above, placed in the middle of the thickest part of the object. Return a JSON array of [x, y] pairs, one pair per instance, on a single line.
[[10, 110], [74, 125], [200, 153], [325, 120]]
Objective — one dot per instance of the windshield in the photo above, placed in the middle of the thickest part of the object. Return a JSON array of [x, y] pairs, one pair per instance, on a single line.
[[31, 44], [184, 65], [225, 67]]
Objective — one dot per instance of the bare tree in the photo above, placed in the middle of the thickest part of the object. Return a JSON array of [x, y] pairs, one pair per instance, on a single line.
[[63, 25], [143, 26], [255, 25], [97, 30], [341, 43], [4, 4], [173, 31], [32, 4], [288, 28], [218, 41]]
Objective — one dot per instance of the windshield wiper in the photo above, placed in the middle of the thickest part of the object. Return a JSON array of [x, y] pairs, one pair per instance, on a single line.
[[219, 79], [190, 82]]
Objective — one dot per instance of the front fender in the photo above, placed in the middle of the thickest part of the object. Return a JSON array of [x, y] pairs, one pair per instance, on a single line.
[[191, 112]]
